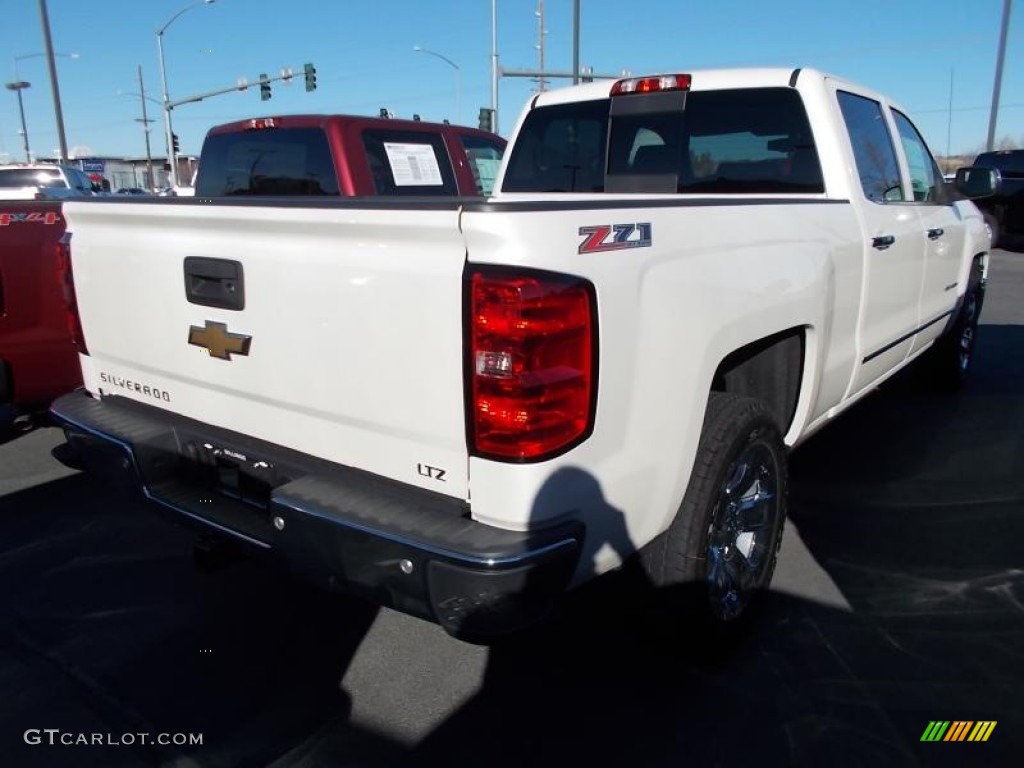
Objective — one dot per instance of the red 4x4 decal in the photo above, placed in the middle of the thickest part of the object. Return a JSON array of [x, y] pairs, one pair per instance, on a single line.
[[33, 218]]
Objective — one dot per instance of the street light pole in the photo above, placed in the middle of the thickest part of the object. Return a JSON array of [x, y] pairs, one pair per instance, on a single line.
[[54, 87], [458, 79], [18, 86], [997, 87], [171, 159], [168, 134]]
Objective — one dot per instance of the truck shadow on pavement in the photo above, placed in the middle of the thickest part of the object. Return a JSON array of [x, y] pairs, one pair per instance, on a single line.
[[914, 508]]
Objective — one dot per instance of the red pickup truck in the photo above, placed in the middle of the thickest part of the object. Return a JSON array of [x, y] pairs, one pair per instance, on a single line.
[[38, 359], [347, 156]]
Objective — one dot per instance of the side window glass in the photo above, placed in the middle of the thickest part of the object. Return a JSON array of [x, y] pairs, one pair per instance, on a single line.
[[408, 163], [560, 148], [925, 178], [872, 148], [484, 158]]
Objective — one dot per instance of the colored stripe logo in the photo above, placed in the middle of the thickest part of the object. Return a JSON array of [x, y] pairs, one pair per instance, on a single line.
[[958, 730]]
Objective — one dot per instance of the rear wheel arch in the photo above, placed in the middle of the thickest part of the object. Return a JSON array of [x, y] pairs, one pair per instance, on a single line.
[[770, 369]]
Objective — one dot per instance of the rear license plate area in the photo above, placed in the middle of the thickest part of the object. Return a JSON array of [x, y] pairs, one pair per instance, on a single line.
[[239, 482]]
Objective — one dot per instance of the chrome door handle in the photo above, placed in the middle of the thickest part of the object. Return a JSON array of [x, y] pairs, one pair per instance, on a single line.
[[882, 242], [935, 234]]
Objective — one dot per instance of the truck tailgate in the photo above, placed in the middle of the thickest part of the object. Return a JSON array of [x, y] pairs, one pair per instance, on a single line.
[[352, 314]]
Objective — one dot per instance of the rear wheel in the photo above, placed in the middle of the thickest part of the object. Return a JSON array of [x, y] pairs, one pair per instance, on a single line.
[[720, 550]]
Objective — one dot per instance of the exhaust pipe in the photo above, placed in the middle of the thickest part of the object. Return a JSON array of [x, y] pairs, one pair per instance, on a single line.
[[23, 423]]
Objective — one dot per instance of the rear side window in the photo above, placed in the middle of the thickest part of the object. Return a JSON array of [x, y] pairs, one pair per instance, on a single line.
[[484, 158], [271, 161], [731, 141], [872, 148], [409, 163], [560, 149]]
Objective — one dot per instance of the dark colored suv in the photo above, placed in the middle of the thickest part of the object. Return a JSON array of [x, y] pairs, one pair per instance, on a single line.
[[1004, 211]]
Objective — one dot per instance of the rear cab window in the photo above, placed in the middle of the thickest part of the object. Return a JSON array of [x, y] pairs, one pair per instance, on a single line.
[[734, 141], [267, 161]]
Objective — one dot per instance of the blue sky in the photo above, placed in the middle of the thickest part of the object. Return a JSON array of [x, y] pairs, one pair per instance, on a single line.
[[363, 52]]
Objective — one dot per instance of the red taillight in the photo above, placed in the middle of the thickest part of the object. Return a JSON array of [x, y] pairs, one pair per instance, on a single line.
[[653, 84], [532, 358], [66, 281]]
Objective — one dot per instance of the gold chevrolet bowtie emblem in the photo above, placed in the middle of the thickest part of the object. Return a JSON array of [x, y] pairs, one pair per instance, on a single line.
[[218, 340]]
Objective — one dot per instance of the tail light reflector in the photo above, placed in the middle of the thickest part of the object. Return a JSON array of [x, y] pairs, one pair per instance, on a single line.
[[66, 281], [533, 341], [654, 84]]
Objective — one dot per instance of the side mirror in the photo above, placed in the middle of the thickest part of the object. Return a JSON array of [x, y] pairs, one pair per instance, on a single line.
[[978, 182]]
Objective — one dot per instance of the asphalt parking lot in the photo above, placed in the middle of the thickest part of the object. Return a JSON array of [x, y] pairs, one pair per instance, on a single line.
[[899, 600]]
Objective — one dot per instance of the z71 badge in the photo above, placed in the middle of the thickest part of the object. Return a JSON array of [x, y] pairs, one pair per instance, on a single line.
[[614, 237]]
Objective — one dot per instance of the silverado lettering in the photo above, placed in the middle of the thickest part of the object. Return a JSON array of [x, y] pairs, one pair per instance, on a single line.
[[134, 386]]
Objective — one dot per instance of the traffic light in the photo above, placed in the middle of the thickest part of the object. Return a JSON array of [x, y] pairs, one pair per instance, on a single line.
[[175, 146], [264, 87], [310, 77], [486, 119]]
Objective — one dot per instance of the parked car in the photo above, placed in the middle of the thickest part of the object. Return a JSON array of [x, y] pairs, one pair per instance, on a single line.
[[131, 191], [40, 181], [1004, 211]]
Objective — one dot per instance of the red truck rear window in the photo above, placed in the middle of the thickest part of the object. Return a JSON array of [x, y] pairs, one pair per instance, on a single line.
[[276, 161]]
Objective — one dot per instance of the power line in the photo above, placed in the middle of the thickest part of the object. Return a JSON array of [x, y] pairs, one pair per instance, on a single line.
[[963, 109]]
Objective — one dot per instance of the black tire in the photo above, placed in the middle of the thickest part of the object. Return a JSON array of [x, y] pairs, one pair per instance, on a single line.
[[947, 364], [993, 228], [712, 563]]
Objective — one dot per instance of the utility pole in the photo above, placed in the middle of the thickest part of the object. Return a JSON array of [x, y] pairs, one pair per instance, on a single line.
[[53, 81], [151, 183], [494, 64], [990, 144], [575, 42]]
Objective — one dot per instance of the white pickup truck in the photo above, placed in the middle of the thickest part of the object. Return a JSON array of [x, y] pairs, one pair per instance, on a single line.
[[461, 408]]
